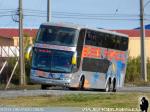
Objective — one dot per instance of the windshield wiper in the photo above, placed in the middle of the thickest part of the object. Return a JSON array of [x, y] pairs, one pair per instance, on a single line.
[[53, 71], [42, 69]]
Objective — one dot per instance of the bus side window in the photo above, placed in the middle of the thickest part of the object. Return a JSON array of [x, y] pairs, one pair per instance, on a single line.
[[118, 43], [105, 41], [99, 41], [113, 41], [92, 38], [88, 40], [124, 43], [80, 46], [109, 41]]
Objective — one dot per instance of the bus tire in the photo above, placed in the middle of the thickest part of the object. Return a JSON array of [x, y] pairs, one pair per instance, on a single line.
[[72, 88], [114, 86], [43, 87], [81, 83], [107, 89]]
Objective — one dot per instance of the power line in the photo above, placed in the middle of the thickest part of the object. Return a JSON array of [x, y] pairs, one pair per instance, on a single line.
[[87, 18], [28, 11], [82, 14], [72, 15], [146, 3], [4, 15], [77, 17]]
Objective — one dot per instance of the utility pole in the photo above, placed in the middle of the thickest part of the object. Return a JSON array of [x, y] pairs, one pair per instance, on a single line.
[[48, 11], [21, 49], [142, 32]]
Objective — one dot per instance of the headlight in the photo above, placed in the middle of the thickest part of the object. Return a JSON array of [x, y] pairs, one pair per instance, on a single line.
[[66, 76]]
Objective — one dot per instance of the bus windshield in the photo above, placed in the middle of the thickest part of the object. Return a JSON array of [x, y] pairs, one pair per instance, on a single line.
[[56, 35], [52, 60]]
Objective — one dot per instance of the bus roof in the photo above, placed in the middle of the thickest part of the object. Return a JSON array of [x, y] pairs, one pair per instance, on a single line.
[[79, 27]]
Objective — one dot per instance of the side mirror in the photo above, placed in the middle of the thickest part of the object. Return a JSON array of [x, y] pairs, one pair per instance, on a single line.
[[74, 59], [28, 53]]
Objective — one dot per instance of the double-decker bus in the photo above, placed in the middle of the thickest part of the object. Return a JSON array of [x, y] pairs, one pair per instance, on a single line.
[[80, 57]]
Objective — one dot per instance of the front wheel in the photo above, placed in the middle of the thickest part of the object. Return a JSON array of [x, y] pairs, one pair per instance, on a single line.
[[81, 83], [72, 88], [43, 87]]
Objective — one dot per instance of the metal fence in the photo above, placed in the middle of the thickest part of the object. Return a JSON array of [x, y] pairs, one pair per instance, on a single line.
[[9, 51]]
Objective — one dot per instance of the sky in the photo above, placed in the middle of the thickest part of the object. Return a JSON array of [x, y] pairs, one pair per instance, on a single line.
[[107, 14]]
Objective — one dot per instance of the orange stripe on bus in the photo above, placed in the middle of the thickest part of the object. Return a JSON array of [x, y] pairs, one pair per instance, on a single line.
[[116, 55], [92, 52]]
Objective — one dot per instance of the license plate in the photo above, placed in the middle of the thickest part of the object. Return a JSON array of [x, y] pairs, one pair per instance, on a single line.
[[53, 76], [41, 74], [56, 76]]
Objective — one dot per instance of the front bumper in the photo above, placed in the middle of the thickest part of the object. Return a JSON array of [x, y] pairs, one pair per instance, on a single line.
[[53, 82]]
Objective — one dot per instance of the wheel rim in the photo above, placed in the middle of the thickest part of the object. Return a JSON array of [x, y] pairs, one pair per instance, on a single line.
[[107, 87]]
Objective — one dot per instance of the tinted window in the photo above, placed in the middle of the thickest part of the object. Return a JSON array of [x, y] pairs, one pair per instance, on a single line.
[[95, 65], [111, 41], [93, 38], [57, 35], [124, 43]]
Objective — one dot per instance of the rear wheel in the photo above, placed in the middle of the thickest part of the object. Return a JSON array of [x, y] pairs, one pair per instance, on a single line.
[[114, 86], [81, 83]]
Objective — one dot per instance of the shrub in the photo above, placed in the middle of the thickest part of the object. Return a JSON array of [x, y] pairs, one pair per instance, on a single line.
[[8, 70], [16, 76], [133, 73]]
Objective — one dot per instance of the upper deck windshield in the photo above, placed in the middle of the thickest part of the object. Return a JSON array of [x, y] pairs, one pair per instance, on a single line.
[[57, 35]]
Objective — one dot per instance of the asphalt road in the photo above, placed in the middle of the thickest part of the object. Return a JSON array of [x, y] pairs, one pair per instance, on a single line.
[[41, 109], [59, 92]]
